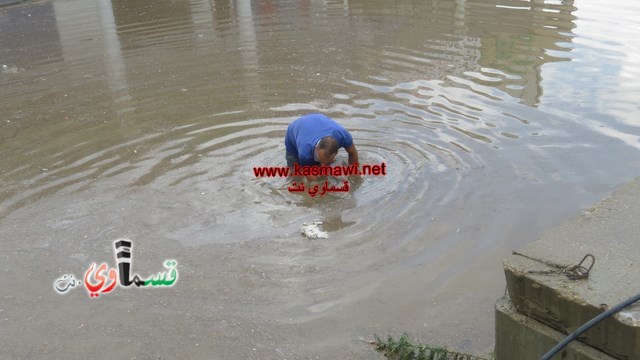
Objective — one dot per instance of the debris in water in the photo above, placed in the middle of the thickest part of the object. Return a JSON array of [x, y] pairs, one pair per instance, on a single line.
[[312, 230], [11, 69]]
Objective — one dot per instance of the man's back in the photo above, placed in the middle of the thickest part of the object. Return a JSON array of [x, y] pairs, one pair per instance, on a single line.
[[306, 131]]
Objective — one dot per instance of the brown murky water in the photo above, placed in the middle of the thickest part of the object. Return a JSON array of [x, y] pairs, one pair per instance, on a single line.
[[140, 119]]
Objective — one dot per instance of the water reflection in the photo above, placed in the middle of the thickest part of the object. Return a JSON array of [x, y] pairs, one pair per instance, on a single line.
[[29, 35], [434, 39], [147, 118], [471, 45]]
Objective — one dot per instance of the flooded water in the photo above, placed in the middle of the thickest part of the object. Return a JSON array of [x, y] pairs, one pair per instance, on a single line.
[[143, 120]]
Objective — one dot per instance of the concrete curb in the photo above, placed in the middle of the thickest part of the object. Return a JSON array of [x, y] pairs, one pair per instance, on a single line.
[[610, 230], [520, 337]]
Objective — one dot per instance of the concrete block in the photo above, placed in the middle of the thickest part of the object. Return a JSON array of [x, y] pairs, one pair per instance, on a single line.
[[610, 231], [519, 337]]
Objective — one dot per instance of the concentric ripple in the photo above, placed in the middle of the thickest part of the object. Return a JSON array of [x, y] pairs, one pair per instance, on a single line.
[[495, 120]]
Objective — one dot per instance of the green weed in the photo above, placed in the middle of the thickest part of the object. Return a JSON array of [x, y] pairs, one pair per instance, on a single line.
[[402, 349]]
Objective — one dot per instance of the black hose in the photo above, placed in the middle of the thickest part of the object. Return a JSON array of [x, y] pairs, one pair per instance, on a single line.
[[588, 325]]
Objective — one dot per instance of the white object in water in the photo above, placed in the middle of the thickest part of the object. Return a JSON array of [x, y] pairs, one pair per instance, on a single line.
[[312, 230]]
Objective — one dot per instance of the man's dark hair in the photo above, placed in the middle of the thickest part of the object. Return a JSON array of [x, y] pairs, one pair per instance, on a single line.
[[329, 144]]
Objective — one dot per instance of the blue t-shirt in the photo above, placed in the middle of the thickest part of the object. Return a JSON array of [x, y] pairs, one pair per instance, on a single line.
[[304, 133]]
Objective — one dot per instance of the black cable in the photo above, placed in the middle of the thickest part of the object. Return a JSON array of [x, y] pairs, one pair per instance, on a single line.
[[588, 325]]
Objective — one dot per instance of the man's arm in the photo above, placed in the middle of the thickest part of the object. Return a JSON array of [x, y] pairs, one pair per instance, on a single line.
[[353, 154]]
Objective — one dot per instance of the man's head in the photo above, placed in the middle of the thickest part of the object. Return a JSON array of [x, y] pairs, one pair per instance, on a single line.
[[327, 149]]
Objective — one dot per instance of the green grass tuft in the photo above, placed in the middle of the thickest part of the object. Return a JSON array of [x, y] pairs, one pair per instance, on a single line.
[[402, 349]]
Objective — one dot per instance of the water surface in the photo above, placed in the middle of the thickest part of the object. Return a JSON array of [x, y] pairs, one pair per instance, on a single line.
[[138, 119]]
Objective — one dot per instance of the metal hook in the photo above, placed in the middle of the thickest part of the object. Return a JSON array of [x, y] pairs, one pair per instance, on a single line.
[[579, 271], [593, 261]]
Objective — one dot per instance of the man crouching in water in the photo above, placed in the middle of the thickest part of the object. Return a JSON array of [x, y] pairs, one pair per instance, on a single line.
[[314, 140]]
